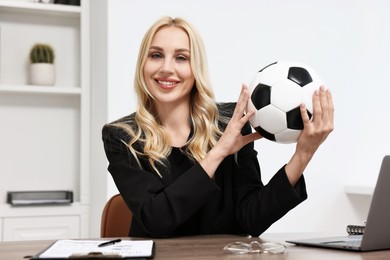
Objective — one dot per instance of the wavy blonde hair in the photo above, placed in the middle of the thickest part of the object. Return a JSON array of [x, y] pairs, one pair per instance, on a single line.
[[203, 113]]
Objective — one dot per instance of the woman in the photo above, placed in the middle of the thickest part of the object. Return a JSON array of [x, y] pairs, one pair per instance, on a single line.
[[186, 165]]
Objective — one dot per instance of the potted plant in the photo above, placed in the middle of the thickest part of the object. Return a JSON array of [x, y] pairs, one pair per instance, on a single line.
[[42, 65]]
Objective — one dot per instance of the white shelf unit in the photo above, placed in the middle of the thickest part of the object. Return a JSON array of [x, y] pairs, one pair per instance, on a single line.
[[44, 133], [359, 190], [40, 90]]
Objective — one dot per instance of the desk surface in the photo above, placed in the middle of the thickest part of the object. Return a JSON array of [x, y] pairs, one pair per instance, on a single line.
[[209, 247]]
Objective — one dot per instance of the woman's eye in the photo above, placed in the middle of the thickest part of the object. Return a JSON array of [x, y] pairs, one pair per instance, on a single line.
[[156, 56], [181, 58]]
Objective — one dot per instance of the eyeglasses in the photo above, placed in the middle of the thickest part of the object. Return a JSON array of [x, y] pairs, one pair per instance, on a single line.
[[254, 247]]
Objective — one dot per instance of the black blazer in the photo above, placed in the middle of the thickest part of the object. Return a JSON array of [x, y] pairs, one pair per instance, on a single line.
[[187, 202]]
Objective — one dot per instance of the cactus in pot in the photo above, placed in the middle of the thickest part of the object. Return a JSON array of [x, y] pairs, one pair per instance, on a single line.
[[42, 53], [42, 65]]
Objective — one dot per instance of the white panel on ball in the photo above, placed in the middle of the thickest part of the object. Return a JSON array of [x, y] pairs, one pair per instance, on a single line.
[[272, 118], [286, 95], [287, 136], [272, 74]]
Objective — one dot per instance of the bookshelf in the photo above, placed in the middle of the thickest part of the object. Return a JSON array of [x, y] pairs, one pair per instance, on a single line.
[[44, 134], [359, 190], [39, 90]]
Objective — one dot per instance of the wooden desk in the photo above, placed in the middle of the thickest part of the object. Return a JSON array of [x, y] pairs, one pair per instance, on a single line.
[[208, 248]]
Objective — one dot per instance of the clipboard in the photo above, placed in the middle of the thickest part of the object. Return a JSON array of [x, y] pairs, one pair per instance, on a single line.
[[89, 249]]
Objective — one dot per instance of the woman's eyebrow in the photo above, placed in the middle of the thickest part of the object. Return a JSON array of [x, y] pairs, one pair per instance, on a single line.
[[183, 50], [156, 48], [176, 50]]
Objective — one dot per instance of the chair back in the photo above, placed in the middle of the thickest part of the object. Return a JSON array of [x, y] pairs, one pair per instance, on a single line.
[[116, 218]]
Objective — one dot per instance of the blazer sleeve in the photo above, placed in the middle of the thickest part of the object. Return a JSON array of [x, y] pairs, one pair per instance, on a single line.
[[159, 209], [258, 206]]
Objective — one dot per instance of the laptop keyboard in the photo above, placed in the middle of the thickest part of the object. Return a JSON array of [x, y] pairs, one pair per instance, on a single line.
[[354, 240], [350, 241]]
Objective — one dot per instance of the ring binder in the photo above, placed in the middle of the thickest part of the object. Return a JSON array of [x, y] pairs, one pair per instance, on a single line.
[[355, 230]]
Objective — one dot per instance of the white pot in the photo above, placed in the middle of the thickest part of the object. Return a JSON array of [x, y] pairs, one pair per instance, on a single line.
[[42, 74]]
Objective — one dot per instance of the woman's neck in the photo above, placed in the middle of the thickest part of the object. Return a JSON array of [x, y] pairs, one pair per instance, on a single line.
[[175, 119]]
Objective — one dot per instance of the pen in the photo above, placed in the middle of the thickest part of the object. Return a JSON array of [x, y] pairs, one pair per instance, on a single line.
[[111, 242]]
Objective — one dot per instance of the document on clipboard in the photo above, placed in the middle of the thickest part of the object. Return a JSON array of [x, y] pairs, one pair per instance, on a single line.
[[86, 249]]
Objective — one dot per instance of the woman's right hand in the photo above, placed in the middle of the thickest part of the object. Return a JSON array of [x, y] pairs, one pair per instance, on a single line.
[[232, 140]]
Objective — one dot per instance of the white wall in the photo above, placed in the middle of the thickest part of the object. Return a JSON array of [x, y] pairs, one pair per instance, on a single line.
[[347, 42]]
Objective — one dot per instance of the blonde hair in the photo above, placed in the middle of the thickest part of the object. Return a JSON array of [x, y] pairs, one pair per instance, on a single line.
[[203, 113]]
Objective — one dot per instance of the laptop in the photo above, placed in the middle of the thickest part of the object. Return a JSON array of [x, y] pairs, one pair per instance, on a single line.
[[376, 234]]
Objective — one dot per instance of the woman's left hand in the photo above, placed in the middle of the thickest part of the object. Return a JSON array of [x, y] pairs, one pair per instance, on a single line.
[[316, 130]]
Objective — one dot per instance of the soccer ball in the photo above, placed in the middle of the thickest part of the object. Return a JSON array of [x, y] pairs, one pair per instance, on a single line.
[[276, 94]]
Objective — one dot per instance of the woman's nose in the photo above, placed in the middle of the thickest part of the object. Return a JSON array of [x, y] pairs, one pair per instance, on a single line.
[[167, 66]]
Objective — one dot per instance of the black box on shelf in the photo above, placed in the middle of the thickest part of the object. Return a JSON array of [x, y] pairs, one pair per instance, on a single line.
[[31, 198], [67, 2]]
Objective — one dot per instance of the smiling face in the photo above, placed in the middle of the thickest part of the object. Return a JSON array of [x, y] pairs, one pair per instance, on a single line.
[[167, 70]]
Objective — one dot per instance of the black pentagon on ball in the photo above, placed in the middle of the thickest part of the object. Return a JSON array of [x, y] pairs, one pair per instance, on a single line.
[[299, 75], [265, 133], [294, 119], [261, 96]]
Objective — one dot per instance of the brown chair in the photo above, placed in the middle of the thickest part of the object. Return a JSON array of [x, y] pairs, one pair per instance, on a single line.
[[116, 218]]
